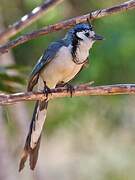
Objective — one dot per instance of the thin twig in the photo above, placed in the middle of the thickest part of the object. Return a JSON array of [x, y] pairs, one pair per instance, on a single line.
[[28, 19], [80, 90], [67, 24]]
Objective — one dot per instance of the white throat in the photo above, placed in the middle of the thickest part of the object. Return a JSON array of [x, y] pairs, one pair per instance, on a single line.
[[82, 51]]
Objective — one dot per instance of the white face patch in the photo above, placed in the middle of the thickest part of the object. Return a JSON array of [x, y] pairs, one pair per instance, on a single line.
[[92, 33], [82, 34]]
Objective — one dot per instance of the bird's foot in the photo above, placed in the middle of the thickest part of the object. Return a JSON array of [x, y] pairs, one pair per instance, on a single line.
[[46, 90], [70, 89]]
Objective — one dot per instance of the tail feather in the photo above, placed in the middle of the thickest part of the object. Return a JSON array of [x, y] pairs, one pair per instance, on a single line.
[[23, 159], [25, 153], [30, 149], [34, 155]]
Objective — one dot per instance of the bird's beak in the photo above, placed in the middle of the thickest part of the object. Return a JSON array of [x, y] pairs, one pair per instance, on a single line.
[[97, 37]]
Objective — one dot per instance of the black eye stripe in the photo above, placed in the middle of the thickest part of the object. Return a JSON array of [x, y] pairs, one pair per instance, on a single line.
[[87, 34]]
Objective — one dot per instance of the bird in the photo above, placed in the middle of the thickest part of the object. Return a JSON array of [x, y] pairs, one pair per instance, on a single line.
[[59, 64]]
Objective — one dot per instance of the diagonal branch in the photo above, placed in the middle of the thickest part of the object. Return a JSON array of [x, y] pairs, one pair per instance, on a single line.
[[128, 5], [28, 19], [80, 90]]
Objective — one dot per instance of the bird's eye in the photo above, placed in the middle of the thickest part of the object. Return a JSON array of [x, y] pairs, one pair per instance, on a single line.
[[91, 28], [87, 34]]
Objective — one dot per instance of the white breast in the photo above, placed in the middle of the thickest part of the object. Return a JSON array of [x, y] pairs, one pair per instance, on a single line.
[[61, 68]]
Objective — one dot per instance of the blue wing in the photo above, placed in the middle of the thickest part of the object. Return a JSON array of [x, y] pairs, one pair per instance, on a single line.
[[47, 56]]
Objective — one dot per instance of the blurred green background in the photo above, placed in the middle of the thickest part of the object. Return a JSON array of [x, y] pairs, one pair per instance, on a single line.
[[84, 137]]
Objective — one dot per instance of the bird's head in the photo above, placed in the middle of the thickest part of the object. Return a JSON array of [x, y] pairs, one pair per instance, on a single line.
[[80, 39], [84, 32]]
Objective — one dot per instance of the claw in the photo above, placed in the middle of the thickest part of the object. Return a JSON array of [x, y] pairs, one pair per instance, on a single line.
[[70, 89], [46, 90]]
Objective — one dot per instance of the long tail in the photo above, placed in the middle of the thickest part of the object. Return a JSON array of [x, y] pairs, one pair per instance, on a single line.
[[32, 144]]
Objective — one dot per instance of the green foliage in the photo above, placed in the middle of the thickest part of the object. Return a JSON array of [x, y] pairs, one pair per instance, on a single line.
[[12, 78]]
